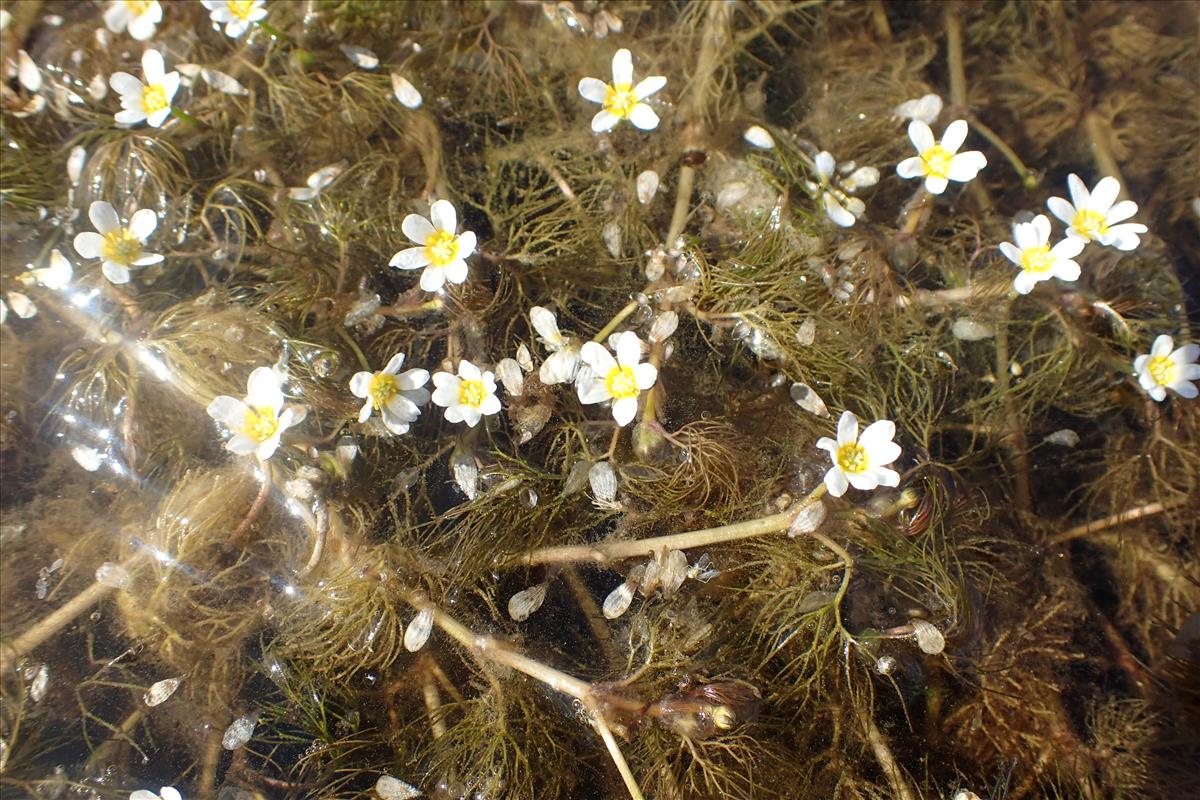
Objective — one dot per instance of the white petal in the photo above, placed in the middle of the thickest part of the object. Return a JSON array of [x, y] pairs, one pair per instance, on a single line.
[[364, 413], [912, 167], [169, 793], [847, 431], [835, 482], [643, 117], [622, 68], [157, 119], [561, 367], [624, 410], [955, 135], [1025, 281], [861, 178], [411, 258], [125, 84], [1026, 236], [1041, 227], [1104, 194], [646, 375], [146, 259], [456, 271], [103, 216], [836, 213], [116, 273], [468, 371], [152, 66], [229, 411], [263, 389], [546, 326], [1185, 354], [410, 382], [863, 481], [466, 244], [417, 228], [1068, 248], [143, 223], [1124, 236], [629, 349], [1184, 389], [170, 84], [825, 164], [886, 477], [1066, 270], [965, 166], [604, 121], [1011, 252], [1060, 208], [876, 435], [935, 185], [598, 358], [593, 90], [143, 794], [1079, 192], [592, 391], [360, 384], [267, 448], [443, 216], [648, 86], [89, 244], [490, 405], [1121, 211], [1162, 346], [433, 278], [141, 27], [920, 135]]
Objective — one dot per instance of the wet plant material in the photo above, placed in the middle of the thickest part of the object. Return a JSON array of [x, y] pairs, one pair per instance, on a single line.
[[596, 400]]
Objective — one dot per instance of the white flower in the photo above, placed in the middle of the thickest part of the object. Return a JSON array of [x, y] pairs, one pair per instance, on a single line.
[[840, 207], [467, 396], [139, 17], [621, 380], [119, 246], [1163, 368], [396, 396], [442, 253], [1094, 215], [860, 461], [563, 362], [165, 793], [258, 422], [57, 275], [621, 99], [149, 101], [939, 162], [1031, 251], [237, 15], [925, 108]]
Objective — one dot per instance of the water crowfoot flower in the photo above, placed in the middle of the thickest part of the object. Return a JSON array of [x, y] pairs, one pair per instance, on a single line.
[[1093, 216], [1030, 250], [621, 380], [926, 108], [258, 422], [236, 15], [149, 101], [441, 253], [840, 207], [468, 396], [119, 246], [396, 396], [1163, 368], [139, 17], [563, 362], [940, 162], [860, 461], [621, 99]]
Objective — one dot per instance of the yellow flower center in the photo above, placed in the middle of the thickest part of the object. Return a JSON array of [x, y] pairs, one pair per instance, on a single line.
[[622, 383], [241, 8], [382, 389], [1162, 369], [138, 7], [1037, 259], [441, 248], [121, 246], [471, 393], [154, 98], [852, 458], [1089, 224], [619, 100], [937, 162], [260, 423]]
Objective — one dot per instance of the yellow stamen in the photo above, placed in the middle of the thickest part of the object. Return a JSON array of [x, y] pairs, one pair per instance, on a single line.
[[937, 162], [441, 248], [382, 389], [852, 458], [260, 424], [619, 100], [138, 7], [1089, 224], [241, 8], [471, 393], [1162, 369], [622, 383], [121, 246], [1037, 259], [154, 98]]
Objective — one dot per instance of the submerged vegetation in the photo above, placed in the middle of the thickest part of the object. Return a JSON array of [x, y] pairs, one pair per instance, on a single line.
[[581, 541]]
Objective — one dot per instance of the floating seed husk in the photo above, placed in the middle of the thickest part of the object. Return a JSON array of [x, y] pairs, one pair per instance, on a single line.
[[417, 632], [929, 638], [510, 375], [40, 682], [611, 234], [804, 396], [809, 519], [647, 186], [664, 325], [1063, 438], [239, 732], [674, 572], [603, 481], [970, 330], [389, 788], [466, 473], [618, 600], [527, 601], [160, 691], [405, 92], [112, 575]]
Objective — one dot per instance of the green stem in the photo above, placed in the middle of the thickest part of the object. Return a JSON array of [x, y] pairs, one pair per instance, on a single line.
[[1029, 178], [629, 308], [358, 353]]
